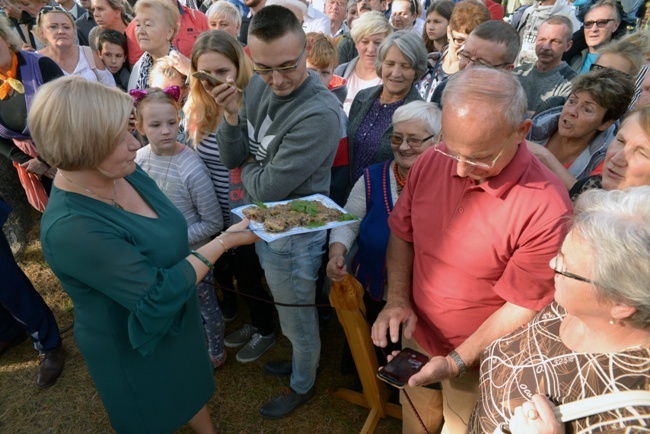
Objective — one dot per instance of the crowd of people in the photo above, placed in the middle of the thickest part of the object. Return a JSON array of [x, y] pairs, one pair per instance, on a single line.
[[499, 169]]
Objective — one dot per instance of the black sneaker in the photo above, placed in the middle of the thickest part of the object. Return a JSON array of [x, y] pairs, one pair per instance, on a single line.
[[286, 402], [229, 307]]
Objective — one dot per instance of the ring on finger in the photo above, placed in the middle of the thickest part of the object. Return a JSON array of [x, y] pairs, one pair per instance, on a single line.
[[531, 414]]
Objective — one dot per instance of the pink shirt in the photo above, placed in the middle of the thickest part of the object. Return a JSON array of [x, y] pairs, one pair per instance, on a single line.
[[193, 23], [478, 246]]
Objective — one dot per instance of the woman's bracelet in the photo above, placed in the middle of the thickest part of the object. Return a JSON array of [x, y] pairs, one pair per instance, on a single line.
[[225, 249], [203, 259]]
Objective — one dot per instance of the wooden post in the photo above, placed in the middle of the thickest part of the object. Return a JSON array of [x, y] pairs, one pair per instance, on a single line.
[[347, 298]]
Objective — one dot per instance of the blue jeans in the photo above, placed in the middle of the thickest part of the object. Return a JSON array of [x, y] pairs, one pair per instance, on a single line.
[[291, 268]]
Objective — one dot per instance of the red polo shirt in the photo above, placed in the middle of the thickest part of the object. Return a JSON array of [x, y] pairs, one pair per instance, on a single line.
[[193, 23], [478, 246]]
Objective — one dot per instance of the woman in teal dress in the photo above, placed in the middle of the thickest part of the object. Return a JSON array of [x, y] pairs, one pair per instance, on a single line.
[[119, 247]]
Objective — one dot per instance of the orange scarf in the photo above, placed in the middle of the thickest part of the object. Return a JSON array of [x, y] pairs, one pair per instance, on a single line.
[[9, 81]]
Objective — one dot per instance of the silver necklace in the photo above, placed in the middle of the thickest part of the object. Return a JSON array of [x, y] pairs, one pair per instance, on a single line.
[[112, 201], [161, 184]]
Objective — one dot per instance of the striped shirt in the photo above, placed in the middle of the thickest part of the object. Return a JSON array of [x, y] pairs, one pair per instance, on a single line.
[[209, 153], [185, 180]]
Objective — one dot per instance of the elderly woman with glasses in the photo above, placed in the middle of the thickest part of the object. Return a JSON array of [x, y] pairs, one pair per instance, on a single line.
[[593, 340], [416, 126], [572, 140], [401, 61], [58, 30]]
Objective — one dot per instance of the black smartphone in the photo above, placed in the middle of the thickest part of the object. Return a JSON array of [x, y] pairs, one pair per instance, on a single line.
[[406, 364], [205, 75]]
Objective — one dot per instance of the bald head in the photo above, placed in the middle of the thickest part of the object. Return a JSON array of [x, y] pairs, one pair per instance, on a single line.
[[497, 90]]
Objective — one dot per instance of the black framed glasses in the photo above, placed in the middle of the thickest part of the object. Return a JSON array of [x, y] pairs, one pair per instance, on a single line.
[[281, 69], [413, 142], [465, 57], [558, 265], [596, 67], [601, 24]]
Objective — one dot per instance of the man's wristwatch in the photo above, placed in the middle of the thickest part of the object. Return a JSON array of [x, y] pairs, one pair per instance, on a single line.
[[462, 368]]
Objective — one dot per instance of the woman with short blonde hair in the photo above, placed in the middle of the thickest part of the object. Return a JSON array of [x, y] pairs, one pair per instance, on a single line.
[[119, 248], [370, 29]]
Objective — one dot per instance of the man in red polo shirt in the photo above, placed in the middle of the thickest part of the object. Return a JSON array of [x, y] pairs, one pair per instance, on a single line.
[[471, 238], [193, 23]]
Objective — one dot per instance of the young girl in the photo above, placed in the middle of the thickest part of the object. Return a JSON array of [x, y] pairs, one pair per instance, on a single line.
[[221, 55], [184, 179], [163, 74], [435, 28]]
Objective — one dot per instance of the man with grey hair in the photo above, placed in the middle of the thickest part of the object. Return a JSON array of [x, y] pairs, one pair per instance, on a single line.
[[549, 76], [471, 237], [601, 21]]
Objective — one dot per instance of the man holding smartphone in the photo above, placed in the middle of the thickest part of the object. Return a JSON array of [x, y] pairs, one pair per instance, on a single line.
[[282, 138], [471, 238]]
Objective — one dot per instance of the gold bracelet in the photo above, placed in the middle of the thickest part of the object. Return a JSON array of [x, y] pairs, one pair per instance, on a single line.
[[225, 249]]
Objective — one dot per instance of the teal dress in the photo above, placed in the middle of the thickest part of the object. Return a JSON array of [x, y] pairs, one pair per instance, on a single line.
[[137, 321]]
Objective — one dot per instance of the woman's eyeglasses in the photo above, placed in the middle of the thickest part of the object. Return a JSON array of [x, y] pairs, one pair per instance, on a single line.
[[413, 142], [595, 67], [558, 265]]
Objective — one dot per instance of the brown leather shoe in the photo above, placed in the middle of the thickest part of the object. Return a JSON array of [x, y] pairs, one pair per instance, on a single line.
[[17, 340], [50, 367]]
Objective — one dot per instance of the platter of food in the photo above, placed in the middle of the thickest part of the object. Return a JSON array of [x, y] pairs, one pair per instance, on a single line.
[[274, 220]]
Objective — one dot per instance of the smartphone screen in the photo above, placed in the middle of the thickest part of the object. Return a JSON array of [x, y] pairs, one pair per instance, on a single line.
[[398, 371]]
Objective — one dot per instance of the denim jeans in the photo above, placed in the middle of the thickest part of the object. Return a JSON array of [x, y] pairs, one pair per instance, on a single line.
[[291, 268]]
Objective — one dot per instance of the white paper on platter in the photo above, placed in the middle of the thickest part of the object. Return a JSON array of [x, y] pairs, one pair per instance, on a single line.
[[258, 228]]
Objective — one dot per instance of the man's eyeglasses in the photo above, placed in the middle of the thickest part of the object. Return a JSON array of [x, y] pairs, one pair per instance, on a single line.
[[601, 24], [281, 69], [413, 142], [558, 265], [465, 57], [486, 165]]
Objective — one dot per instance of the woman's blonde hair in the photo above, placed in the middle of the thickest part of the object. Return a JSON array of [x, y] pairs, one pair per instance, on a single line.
[[6, 33], [52, 10], [169, 12], [76, 123], [201, 111], [368, 24]]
